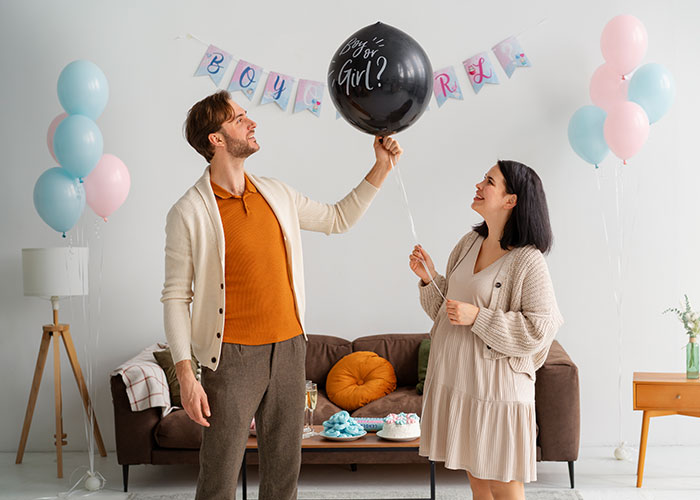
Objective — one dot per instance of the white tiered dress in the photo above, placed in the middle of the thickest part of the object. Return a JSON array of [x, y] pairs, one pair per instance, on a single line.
[[478, 414]]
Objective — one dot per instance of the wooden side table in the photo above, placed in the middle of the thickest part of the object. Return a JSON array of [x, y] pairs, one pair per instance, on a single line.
[[660, 394]]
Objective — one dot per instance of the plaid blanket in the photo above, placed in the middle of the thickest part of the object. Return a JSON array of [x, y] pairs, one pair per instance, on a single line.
[[146, 383]]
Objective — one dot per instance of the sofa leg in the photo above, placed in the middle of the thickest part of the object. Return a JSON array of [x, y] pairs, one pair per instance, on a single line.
[[571, 473], [125, 477], [353, 467]]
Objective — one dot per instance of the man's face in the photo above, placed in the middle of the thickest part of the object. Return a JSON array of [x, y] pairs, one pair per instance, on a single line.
[[239, 133]]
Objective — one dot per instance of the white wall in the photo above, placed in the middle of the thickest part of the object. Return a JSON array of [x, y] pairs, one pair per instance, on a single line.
[[358, 283]]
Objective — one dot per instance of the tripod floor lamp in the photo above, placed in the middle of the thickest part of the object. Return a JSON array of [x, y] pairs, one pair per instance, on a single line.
[[53, 273]]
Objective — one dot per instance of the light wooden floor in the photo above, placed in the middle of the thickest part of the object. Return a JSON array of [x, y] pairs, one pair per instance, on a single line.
[[672, 473]]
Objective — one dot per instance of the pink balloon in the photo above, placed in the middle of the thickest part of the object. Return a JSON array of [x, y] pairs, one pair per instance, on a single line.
[[626, 129], [107, 186], [624, 43], [607, 88], [52, 130]]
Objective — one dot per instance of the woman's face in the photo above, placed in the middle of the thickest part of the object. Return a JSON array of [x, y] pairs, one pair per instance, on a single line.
[[491, 196]]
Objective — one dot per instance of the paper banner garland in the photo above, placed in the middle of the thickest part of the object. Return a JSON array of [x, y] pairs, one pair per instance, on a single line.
[[445, 85], [511, 55], [480, 71], [278, 87], [214, 64], [245, 78], [309, 96]]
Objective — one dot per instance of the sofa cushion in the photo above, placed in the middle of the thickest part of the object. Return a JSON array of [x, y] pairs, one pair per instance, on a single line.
[[177, 430], [359, 378], [322, 352], [423, 355], [165, 360], [403, 399], [400, 349]]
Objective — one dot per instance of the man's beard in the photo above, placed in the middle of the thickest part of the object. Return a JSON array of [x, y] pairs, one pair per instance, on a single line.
[[238, 148]]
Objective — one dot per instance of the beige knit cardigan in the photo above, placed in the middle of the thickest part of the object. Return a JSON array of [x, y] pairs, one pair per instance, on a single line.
[[522, 316], [195, 255]]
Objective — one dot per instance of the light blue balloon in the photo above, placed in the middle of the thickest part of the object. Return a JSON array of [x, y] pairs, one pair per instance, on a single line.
[[78, 144], [59, 199], [653, 88], [83, 89], [586, 134]]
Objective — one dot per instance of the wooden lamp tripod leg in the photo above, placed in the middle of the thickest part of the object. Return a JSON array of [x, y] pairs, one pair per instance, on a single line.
[[59, 436], [36, 382]]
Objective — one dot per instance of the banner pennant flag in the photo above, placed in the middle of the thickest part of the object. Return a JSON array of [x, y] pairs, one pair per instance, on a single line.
[[511, 55], [214, 64], [480, 71], [446, 85], [309, 96], [245, 78], [278, 89]]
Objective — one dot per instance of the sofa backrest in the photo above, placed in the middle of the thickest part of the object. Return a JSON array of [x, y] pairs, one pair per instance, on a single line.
[[400, 349], [322, 352]]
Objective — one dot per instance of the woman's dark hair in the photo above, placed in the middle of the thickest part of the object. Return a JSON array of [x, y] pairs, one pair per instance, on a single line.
[[529, 222]]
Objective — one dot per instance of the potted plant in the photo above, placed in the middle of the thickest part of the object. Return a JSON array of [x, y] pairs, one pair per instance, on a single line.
[[691, 323]]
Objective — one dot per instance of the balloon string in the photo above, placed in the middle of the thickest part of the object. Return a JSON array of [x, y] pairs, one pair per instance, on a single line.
[[410, 219], [615, 253]]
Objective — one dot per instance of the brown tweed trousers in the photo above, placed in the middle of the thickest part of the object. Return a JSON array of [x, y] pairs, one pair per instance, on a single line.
[[265, 382]]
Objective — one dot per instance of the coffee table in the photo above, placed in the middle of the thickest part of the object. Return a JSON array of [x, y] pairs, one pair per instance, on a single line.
[[369, 442]]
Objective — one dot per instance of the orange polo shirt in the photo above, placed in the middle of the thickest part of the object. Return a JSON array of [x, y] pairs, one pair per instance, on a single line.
[[260, 306]]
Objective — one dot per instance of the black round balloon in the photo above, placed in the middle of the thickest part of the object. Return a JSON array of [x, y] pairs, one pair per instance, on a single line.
[[380, 80]]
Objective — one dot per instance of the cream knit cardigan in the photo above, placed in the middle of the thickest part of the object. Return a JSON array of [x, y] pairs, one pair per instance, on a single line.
[[195, 255], [522, 316]]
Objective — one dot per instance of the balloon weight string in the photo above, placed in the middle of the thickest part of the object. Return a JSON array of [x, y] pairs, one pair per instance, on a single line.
[[410, 219]]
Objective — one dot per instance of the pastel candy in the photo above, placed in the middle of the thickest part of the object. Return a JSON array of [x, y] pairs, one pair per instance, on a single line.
[[342, 425]]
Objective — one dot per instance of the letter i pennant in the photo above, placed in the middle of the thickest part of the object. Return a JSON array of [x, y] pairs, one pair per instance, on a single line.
[[214, 63], [445, 85], [278, 89], [511, 55]]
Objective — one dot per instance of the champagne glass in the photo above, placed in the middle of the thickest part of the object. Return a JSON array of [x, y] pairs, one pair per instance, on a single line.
[[310, 399]]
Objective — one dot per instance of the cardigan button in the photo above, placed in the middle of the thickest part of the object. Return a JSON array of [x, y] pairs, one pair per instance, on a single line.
[[213, 360], [488, 347], [221, 311], [222, 286], [218, 335], [498, 284]]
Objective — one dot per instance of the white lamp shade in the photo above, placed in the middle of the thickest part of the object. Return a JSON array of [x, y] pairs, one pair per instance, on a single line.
[[55, 272]]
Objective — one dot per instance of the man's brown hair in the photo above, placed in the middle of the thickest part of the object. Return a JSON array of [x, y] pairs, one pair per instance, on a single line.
[[206, 117]]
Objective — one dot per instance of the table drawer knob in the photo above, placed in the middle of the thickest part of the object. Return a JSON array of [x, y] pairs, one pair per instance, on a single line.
[[678, 396]]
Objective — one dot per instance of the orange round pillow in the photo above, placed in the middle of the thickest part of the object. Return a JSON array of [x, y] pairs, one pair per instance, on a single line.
[[360, 378]]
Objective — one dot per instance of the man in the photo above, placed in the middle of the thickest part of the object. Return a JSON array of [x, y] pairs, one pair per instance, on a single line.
[[237, 237]]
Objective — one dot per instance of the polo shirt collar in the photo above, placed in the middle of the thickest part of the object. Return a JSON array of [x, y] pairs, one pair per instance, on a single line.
[[220, 192]]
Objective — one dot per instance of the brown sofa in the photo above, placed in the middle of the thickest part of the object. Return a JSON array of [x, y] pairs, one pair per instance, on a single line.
[[146, 438]]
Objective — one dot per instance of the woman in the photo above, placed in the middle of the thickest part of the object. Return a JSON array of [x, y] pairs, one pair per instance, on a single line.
[[495, 317]]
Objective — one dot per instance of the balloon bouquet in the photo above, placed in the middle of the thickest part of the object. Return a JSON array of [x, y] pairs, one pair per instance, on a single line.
[[619, 121], [623, 109], [75, 142]]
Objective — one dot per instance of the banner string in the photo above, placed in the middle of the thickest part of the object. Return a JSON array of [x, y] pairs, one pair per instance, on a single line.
[[190, 36]]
